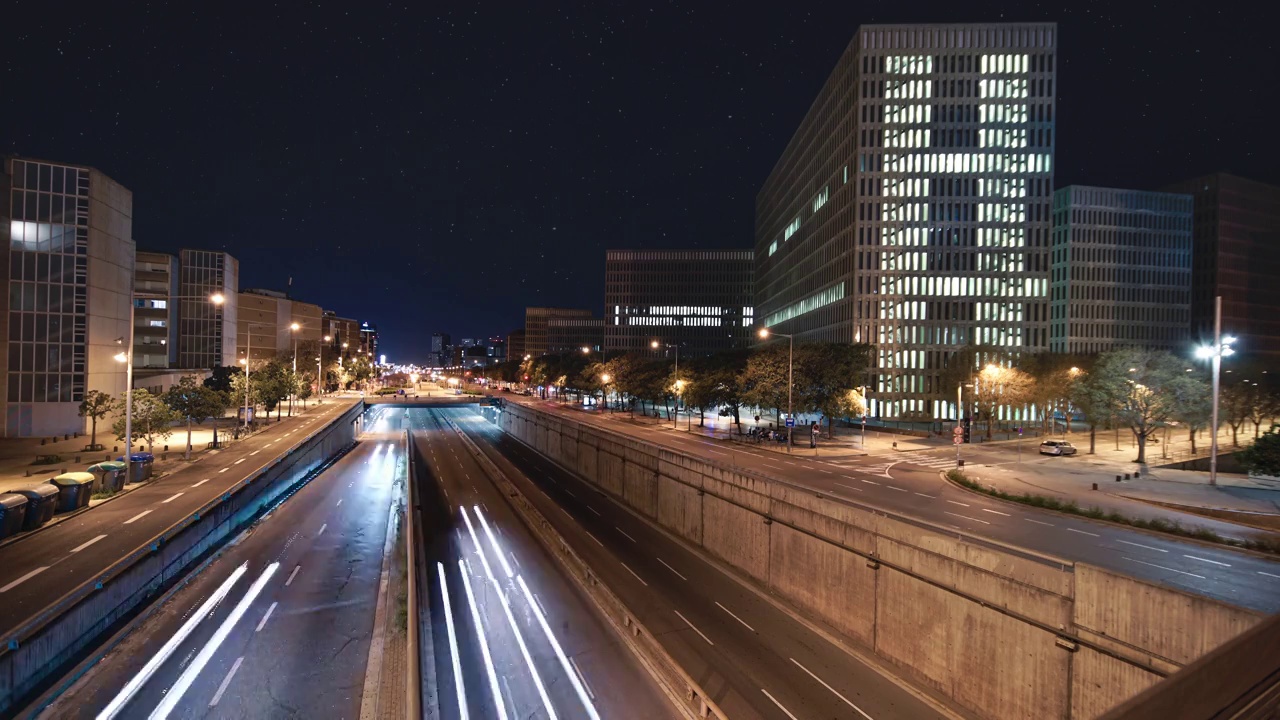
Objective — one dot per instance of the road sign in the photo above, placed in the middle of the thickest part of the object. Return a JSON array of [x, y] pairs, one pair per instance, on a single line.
[[791, 422], [958, 430], [957, 440]]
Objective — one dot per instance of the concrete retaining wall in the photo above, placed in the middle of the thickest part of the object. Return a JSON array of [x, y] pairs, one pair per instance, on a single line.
[[1001, 633], [61, 633]]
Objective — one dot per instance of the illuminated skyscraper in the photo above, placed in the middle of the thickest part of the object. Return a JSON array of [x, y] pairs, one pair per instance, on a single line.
[[910, 209]]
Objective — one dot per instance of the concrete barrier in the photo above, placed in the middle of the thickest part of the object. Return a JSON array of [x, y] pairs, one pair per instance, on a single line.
[[56, 637], [1001, 631], [688, 697]]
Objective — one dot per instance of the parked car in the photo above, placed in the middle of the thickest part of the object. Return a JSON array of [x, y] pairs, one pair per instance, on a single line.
[[1057, 447]]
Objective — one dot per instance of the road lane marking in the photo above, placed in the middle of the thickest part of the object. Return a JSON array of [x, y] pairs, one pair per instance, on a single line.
[[1206, 560], [84, 545], [339, 502], [266, 616], [995, 512], [869, 482], [923, 495], [833, 690], [716, 452], [597, 512], [848, 486], [173, 497], [585, 684], [23, 579], [1145, 547], [895, 487], [201, 482], [137, 517], [695, 629], [826, 471], [966, 517], [514, 560], [664, 562], [1162, 567], [634, 575], [570, 493], [322, 527], [238, 461], [292, 575], [624, 533], [593, 537], [790, 463], [564, 659], [224, 470], [1268, 574], [953, 502], [1082, 532], [780, 706], [255, 452], [1039, 522], [735, 617], [538, 602]]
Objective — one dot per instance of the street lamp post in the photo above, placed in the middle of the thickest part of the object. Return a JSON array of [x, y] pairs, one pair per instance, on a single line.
[[655, 344], [1221, 348], [320, 369], [791, 347], [293, 330]]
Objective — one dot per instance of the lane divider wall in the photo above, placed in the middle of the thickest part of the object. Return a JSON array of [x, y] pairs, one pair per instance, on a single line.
[[681, 689], [57, 636]]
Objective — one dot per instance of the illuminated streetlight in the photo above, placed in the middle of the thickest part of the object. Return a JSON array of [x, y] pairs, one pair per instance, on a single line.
[[791, 347], [217, 298], [1221, 348], [655, 345]]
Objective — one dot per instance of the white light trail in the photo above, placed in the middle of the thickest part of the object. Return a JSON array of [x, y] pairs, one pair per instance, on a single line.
[[484, 643], [188, 676], [492, 541], [506, 608], [137, 681], [564, 659], [453, 645]]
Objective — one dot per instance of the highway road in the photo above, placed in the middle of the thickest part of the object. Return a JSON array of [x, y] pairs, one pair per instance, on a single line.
[[909, 485], [278, 625], [51, 562], [755, 660], [511, 637]]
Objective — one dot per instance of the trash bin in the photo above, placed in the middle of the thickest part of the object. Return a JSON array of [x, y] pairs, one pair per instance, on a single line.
[[13, 509], [109, 476], [42, 502], [139, 466], [74, 489]]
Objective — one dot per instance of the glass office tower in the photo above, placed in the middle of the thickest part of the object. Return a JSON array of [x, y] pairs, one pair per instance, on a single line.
[[910, 210]]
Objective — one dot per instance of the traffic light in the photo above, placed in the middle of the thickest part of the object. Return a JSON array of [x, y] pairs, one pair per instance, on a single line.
[[968, 428]]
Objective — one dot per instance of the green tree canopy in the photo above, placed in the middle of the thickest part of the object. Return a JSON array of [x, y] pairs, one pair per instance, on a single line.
[[152, 419], [96, 404], [195, 403], [1149, 388]]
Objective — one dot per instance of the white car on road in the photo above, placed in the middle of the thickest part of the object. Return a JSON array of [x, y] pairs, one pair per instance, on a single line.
[[1057, 447]]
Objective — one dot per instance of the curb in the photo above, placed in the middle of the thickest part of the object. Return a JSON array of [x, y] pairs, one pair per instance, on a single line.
[[1108, 523]]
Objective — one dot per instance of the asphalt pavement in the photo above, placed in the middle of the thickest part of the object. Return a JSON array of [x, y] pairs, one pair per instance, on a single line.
[[511, 637], [909, 485], [755, 660], [279, 624], [52, 562]]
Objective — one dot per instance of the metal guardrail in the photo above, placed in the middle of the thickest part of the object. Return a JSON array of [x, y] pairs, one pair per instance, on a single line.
[[413, 668], [689, 696]]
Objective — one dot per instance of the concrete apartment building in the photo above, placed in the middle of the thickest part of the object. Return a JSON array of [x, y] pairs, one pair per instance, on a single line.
[[1236, 233], [699, 299], [1120, 273], [535, 326], [911, 207], [66, 304], [155, 311], [265, 324], [571, 334], [341, 331], [207, 331], [515, 345]]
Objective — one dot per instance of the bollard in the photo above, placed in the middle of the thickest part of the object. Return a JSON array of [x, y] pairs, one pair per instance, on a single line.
[[1117, 478], [41, 441], [164, 456], [166, 448], [1095, 486], [66, 437], [1126, 476], [28, 473], [106, 457]]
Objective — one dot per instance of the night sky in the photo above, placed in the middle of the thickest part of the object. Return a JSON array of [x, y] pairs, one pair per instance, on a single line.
[[433, 170]]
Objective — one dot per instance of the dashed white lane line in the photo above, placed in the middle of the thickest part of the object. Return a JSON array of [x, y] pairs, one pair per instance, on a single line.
[[716, 451], [23, 579], [1162, 567], [695, 629], [953, 502], [624, 534], [322, 527], [201, 482], [171, 498], [1144, 547], [593, 537], [597, 512], [928, 496], [86, 544], [583, 678], [137, 517], [735, 617], [339, 502], [226, 681], [1206, 560], [995, 512], [775, 467], [833, 690], [1039, 522], [292, 575], [1082, 532], [224, 469], [966, 517], [869, 482], [848, 486], [780, 706], [238, 461], [255, 452], [570, 493], [634, 575], [513, 558], [677, 572], [1268, 574], [265, 617], [895, 487], [826, 471]]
